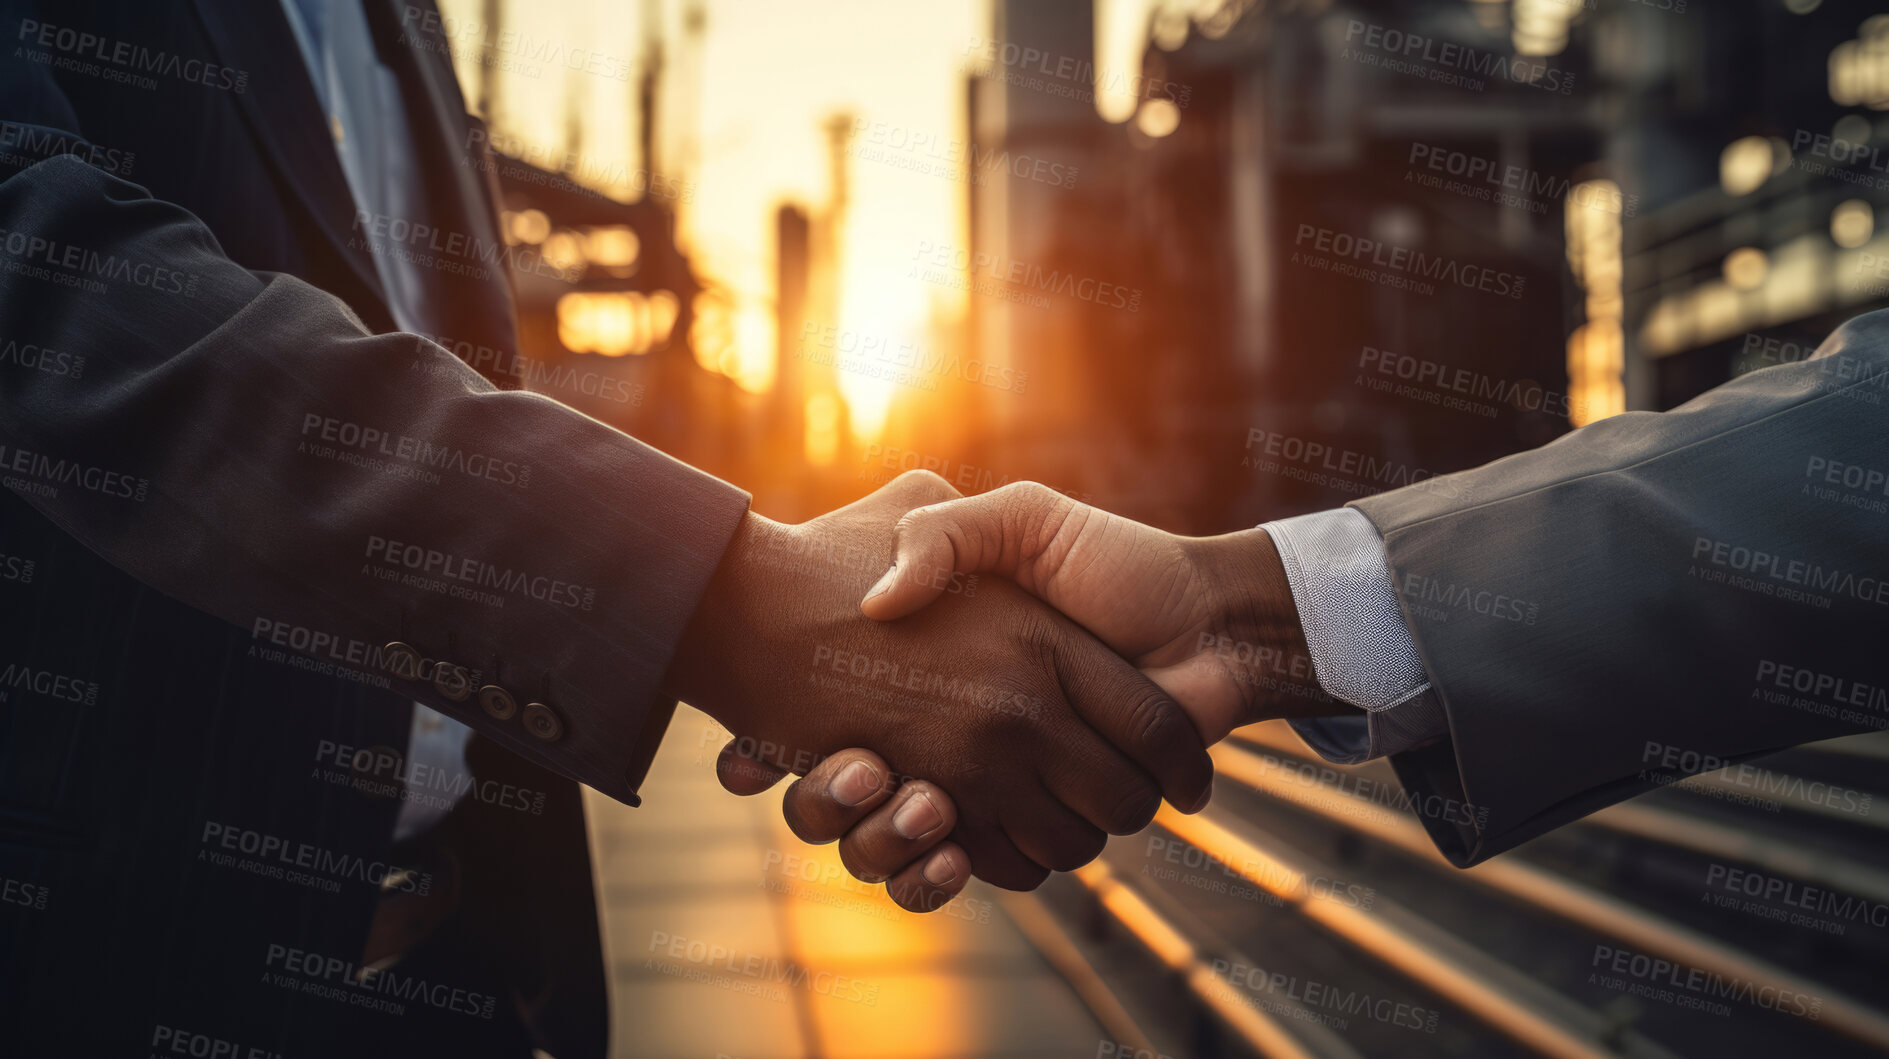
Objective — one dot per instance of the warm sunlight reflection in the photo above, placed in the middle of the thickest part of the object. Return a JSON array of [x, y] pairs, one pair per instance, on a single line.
[[1120, 35], [613, 247], [1158, 118], [882, 343], [1596, 349], [614, 323], [823, 429], [839, 922], [751, 362], [770, 79], [526, 226], [564, 250], [747, 89]]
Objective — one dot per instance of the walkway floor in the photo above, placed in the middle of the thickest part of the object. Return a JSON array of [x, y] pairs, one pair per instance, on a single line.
[[729, 937]]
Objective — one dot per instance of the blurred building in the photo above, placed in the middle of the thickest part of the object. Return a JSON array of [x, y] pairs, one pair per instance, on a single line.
[[1766, 174], [615, 319], [1366, 243], [1274, 143], [1246, 143]]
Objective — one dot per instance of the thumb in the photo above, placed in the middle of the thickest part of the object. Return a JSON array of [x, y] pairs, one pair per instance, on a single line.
[[1001, 532], [743, 771], [1206, 692]]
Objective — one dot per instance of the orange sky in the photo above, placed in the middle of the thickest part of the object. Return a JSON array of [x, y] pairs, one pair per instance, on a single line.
[[767, 76]]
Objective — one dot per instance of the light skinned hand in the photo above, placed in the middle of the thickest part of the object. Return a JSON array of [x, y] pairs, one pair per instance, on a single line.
[[1209, 619]]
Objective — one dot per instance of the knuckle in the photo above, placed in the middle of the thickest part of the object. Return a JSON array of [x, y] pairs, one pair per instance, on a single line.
[[822, 775], [1005, 690], [1038, 631], [947, 809], [1032, 507], [1027, 494], [913, 522], [1003, 716], [1157, 723], [1007, 867], [1028, 877], [804, 809], [1134, 808], [921, 478], [967, 768], [926, 483], [1076, 848], [859, 863]]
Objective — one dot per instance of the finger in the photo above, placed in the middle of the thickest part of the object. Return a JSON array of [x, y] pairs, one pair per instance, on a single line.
[[996, 859], [1053, 836], [899, 832], [836, 794], [929, 883], [1105, 788], [1131, 712], [743, 773], [1002, 531]]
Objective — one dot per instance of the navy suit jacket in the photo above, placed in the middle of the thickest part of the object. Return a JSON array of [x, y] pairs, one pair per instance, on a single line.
[[246, 524]]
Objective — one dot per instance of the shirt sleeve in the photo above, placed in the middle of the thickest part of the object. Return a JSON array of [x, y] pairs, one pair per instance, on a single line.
[[1362, 653]]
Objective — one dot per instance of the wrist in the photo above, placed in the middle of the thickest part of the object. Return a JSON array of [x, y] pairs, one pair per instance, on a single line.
[[1256, 629], [699, 672]]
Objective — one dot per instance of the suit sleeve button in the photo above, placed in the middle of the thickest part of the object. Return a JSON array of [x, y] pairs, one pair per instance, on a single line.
[[452, 682], [401, 660], [497, 703], [543, 723]]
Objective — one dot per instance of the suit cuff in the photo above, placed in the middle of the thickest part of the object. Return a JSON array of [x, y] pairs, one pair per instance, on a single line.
[[1362, 653], [635, 535]]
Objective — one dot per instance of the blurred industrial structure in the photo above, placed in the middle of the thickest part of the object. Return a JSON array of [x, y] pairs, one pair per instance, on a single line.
[[1378, 228], [1378, 241], [1327, 249]]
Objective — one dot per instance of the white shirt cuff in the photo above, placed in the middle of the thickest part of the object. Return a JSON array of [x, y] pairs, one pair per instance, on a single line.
[[1362, 653]]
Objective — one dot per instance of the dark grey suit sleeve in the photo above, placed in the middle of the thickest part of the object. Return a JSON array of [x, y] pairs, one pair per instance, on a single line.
[[1708, 579], [241, 443]]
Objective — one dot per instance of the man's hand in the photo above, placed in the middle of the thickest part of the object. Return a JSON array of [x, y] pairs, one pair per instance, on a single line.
[[1041, 737], [1210, 619], [889, 831]]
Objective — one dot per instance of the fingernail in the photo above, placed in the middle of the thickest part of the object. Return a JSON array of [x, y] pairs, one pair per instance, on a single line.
[[1205, 797], [855, 783], [941, 869], [884, 583], [917, 817]]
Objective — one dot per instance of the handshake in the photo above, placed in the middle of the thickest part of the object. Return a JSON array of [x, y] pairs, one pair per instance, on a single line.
[[947, 725]]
